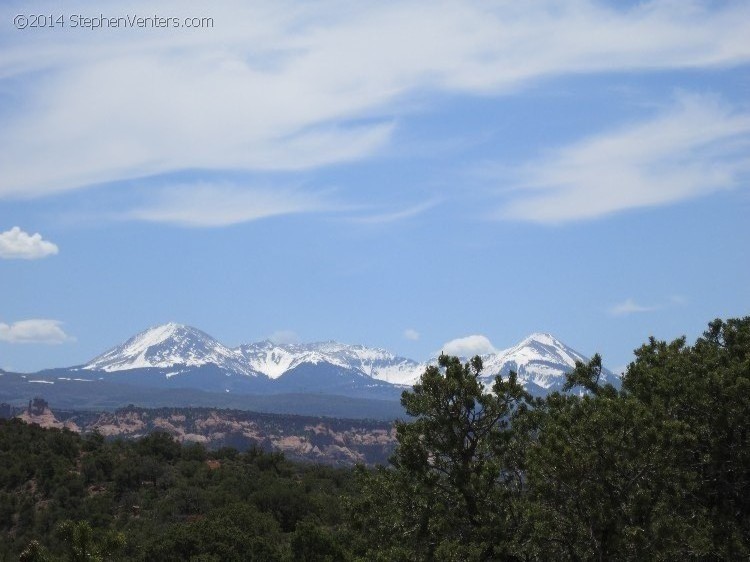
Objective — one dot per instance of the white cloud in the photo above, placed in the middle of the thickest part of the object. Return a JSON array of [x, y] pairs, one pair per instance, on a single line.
[[207, 205], [468, 346], [286, 85], [34, 331], [628, 307], [394, 216], [17, 244], [411, 334], [696, 147], [284, 336]]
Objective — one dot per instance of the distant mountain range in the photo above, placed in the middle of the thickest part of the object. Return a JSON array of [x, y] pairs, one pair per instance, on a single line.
[[173, 358], [180, 349]]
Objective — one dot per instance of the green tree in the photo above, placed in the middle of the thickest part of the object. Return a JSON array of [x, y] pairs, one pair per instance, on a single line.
[[705, 389], [659, 470], [235, 532], [82, 543], [34, 552], [313, 543], [455, 483], [603, 483]]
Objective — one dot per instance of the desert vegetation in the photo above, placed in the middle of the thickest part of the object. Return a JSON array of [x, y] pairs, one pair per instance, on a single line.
[[656, 470]]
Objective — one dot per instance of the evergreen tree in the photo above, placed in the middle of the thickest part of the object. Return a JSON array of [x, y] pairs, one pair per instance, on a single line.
[[453, 492]]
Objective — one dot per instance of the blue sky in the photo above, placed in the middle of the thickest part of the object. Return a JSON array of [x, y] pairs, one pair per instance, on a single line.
[[393, 174]]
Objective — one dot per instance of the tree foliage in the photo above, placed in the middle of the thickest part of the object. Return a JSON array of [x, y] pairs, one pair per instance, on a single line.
[[456, 474], [68, 498], [658, 470]]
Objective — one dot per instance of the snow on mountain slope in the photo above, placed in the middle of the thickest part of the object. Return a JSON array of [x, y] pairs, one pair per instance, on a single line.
[[170, 345], [276, 359], [540, 360]]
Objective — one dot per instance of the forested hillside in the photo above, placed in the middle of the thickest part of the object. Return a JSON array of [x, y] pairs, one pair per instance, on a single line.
[[658, 470], [155, 499]]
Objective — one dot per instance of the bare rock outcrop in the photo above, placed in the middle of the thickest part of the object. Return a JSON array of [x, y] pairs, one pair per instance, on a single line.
[[39, 413]]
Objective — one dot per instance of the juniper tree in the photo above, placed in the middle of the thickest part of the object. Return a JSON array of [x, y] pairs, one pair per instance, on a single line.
[[452, 492]]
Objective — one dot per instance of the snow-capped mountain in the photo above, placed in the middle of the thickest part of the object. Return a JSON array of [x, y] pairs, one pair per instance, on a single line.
[[181, 356], [541, 361], [170, 346], [274, 359]]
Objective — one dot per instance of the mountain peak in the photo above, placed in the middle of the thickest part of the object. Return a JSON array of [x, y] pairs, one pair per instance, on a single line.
[[162, 333], [168, 345], [544, 338], [540, 359], [170, 328], [541, 346]]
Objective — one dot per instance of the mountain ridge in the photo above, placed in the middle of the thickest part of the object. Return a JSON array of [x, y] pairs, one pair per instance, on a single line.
[[178, 365], [174, 350], [275, 359], [168, 345]]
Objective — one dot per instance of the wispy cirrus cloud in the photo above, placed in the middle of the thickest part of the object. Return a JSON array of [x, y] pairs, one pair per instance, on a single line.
[[398, 215], [290, 86], [212, 205], [630, 306], [17, 244], [697, 146], [34, 331]]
